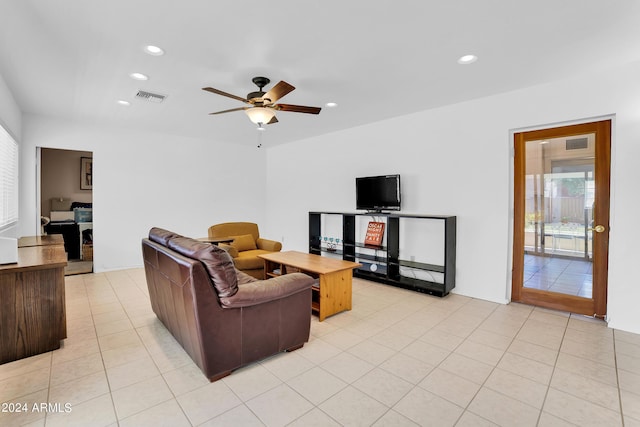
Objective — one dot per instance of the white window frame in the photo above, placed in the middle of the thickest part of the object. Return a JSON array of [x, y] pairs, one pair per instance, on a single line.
[[8, 180]]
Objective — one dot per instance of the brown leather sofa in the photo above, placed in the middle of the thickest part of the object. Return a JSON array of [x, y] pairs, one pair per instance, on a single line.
[[246, 246], [223, 318]]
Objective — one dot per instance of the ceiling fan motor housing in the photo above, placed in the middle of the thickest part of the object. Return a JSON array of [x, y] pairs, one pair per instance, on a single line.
[[260, 82], [255, 95]]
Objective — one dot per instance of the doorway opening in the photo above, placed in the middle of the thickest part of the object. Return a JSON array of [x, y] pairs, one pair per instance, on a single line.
[[66, 203], [561, 217]]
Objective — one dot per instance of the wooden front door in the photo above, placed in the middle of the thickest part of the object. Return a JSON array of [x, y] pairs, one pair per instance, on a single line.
[[561, 217]]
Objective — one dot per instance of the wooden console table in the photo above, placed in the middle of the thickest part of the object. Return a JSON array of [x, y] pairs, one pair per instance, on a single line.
[[332, 293], [32, 300], [46, 240]]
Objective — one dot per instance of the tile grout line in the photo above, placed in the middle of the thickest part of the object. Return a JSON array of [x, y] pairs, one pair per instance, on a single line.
[[615, 361], [50, 385], [115, 291], [50, 377], [344, 328], [553, 371], [104, 367], [466, 408], [598, 363]]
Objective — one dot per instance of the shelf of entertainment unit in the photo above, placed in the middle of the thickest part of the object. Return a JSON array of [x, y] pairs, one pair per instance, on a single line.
[[374, 258], [371, 247], [389, 267], [337, 252], [420, 266]]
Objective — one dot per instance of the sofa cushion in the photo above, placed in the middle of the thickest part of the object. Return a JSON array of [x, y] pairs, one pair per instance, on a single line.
[[244, 278], [248, 260], [245, 242], [162, 236], [217, 262], [230, 249], [258, 292]]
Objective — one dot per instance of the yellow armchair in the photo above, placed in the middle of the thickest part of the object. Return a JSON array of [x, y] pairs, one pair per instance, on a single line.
[[246, 246]]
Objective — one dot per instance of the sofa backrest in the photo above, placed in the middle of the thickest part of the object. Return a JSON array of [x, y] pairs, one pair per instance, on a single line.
[[216, 260], [174, 282], [162, 236]]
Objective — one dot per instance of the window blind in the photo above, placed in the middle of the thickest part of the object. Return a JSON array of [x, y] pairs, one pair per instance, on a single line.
[[8, 180]]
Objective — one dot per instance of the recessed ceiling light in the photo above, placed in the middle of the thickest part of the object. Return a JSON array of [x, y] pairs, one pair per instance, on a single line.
[[331, 104], [139, 76], [467, 59], [124, 103], [153, 50]]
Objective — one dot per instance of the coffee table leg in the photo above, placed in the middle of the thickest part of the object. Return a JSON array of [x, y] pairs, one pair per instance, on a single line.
[[335, 293]]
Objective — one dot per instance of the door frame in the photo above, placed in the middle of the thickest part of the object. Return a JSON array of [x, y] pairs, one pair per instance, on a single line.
[[597, 305]]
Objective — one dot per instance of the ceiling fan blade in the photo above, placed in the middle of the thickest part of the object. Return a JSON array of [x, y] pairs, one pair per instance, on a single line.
[[297, 108], [228, 95], [228, 111], [273, 120], [278, 91]]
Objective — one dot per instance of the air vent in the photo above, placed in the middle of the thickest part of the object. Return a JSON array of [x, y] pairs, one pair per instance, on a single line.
[[577, 144], [151, 97]]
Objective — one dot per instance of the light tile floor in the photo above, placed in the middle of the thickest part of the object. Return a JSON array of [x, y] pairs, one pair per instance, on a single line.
[[399, 358], [562, 275]]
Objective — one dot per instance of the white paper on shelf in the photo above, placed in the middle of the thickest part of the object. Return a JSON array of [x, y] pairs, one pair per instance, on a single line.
[[8, 250]]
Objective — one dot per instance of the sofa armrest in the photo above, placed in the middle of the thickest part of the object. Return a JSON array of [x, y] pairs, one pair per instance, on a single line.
[[262, 291], [268, 245], [230, 250]]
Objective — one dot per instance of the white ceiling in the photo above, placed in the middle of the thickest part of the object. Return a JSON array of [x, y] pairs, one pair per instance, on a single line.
[[377, 59]]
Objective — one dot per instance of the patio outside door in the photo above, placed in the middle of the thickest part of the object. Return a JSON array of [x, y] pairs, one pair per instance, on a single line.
[[561, 217]]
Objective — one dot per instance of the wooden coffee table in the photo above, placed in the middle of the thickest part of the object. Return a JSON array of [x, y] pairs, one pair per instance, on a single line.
[[331, 293]]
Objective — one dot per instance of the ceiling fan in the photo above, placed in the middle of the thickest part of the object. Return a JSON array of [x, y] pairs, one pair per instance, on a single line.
[[263, 105]]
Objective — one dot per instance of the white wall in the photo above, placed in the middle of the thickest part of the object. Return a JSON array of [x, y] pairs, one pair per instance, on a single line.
[[143, 180], [457, 160], [10, 114]]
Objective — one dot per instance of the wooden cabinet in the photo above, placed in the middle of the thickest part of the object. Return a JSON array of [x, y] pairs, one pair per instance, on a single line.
[[404, 257], [32, 301]]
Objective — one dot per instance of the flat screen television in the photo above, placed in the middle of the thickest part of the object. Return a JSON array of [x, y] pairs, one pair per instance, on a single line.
[[378, 193]]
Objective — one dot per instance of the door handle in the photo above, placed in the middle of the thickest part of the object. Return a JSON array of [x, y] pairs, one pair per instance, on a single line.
[[597, 229]]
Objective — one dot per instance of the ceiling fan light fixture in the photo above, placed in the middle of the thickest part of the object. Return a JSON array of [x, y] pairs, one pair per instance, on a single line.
[[260, 115]]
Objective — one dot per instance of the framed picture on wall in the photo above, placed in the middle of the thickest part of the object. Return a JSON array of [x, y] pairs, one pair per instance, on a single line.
[[86, 173]]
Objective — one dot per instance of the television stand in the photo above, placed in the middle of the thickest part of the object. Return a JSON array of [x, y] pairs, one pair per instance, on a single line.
[[394, 262]]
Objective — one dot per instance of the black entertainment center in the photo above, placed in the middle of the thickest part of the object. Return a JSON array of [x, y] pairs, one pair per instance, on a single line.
[[383, 263]]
